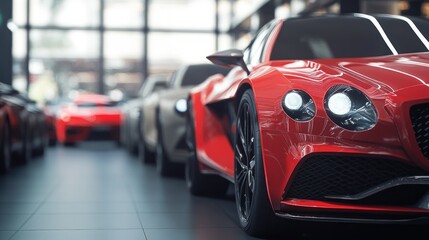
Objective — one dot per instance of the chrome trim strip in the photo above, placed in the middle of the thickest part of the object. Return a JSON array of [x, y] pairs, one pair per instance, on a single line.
[[413, 180], [352, 220]]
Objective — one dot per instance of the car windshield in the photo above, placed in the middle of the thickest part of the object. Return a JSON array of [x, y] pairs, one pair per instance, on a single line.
[[87, 104], [348, 37], [196, 74], [92, 104]]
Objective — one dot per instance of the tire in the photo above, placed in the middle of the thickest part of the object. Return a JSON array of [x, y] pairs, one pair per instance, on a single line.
[[52, 142], [163, 165], [69, 144], [25, 156], [253, 206], [42, 139], [5, 149], [144, 155], [198, 183]]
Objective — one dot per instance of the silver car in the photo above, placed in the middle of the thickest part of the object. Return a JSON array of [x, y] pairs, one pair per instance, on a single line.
[[171, 149], [130, 127]]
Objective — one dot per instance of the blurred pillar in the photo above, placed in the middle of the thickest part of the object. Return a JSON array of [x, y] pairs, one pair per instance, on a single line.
[[414, 8], [6, 42], [350, 6], [387, 7]]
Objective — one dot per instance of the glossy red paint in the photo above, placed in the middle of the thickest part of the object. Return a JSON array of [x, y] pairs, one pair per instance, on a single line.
[[393, 84], [89, 114]]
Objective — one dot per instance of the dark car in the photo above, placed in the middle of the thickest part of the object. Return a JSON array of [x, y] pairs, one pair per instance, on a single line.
[[23, 127]]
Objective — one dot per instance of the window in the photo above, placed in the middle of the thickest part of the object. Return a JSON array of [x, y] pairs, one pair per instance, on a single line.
[[182, 14], [82, 13], [168, 51], [302, 39], [62, 61], [123, 63], [123, 13], [106, 46]]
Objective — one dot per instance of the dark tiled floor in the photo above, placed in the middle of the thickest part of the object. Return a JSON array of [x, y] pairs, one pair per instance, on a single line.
[[97, 191]]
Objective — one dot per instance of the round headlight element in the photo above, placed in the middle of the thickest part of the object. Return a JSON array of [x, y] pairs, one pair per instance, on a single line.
[[350, 108], [293, 101], [340, 104], [181, 106], [299, 105]]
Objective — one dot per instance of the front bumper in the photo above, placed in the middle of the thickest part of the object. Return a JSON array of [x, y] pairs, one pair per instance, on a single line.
[[325, 179], [95, 133]]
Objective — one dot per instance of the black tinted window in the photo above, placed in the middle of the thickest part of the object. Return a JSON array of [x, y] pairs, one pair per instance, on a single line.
[[159, 86], [422, 25], [329, 37], [196, 74], [401, 35]]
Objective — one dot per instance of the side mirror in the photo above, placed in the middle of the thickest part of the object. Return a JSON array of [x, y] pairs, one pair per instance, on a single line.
[[229, 58]]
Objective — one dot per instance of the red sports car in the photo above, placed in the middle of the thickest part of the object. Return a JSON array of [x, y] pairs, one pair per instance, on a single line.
[[89, 117], [324, 119]]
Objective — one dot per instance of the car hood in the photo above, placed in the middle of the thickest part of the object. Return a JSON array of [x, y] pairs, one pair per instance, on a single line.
[[389, 74]]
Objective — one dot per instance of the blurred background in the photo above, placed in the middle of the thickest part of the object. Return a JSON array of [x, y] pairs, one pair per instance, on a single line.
[[52, 49]]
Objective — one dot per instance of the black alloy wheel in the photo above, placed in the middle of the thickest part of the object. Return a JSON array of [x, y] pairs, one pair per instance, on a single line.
[[253, 207]]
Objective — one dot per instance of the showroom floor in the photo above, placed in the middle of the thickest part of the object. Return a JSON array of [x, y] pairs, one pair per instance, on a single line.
[[97, 191]]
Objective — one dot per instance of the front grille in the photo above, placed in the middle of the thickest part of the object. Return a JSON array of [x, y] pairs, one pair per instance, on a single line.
[[331, 175], [103, 133], [420, 120]]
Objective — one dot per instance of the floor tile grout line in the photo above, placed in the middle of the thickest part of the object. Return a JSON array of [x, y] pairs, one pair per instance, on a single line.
[[78, 229], [136, 210], [34, 212]]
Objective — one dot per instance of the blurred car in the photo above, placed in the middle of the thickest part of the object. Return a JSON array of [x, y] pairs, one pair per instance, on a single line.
[[131, 111], [322, 119], [23, 128], [5, 135], [50, 109], [89, 117], [171, 148], [38, 123]]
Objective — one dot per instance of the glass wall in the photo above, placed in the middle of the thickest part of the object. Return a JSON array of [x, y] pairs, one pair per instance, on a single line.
[[123, 52], [111, 46], [64, 12], [62, 61]]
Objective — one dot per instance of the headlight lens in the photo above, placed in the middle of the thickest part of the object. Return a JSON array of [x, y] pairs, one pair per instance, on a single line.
[[350, 108], [298, 105], [64, 116], [340, 104], [293, 101], [181, 106]]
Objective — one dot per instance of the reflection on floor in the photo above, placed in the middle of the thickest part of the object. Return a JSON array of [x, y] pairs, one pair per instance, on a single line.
[[97, 191]]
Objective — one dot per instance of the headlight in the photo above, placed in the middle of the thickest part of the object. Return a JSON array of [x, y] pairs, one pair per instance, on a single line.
[[350, 108], [340, 104], [181, 106], [298, 105], [65, 117]]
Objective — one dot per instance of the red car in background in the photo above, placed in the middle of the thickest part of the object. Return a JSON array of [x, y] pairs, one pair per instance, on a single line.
[[322, 119], [88, 117]]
